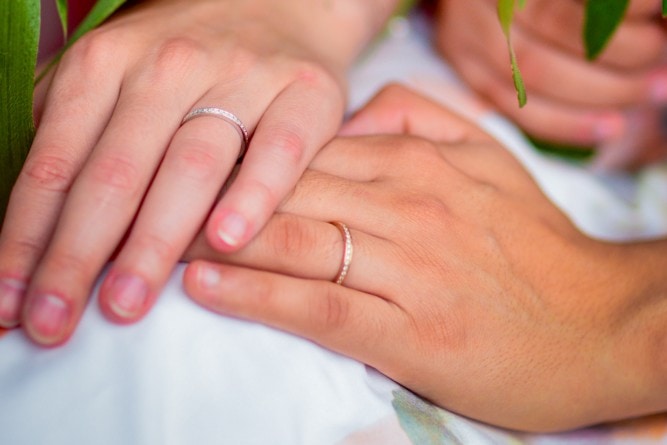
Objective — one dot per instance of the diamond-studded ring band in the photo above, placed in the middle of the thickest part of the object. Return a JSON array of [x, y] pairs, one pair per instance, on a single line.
[[348, 249], [227, 117]]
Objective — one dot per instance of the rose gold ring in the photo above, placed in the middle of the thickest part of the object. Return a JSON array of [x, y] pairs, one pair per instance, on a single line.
[[348, 249]]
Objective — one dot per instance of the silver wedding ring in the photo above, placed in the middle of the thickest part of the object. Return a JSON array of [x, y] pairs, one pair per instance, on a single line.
[[348, 249], [227, 117]]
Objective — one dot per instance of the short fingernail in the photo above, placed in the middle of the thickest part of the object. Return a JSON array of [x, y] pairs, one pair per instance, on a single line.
[[658, 89], [47, 318], [232, 228], [208, 277], [608, 126], [11, 294], [127, 295]]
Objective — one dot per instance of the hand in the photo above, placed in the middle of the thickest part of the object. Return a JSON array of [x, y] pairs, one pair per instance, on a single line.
[[112, 166], [466, 284], [571, 100]]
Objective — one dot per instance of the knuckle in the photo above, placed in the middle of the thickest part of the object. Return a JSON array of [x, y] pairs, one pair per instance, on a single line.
[[94, 51], [159, 248], [423, 208], [261, 300], [117, 173], [198, 161], [48, 172], [176, 55], [445, 331], [262, 194], [313, 74], [331, 310], [417, 151], [288, 143], [69, 264], [291, 238], [24, 247]]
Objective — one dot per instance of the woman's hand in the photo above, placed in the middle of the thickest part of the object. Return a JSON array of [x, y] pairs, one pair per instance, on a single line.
[[114, 168], [466, 284], [610, 103]]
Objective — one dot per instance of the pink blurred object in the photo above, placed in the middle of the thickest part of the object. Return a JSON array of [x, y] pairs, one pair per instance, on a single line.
[[51, 37]]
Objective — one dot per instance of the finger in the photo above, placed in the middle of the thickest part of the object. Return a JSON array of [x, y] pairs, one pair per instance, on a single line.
[[354, 323], [100, 207], [399, 110], [637, 43], [564, 77], [643, 8], [195, 166], [543, 117], [66, 134], [306, 248], [299, 121]]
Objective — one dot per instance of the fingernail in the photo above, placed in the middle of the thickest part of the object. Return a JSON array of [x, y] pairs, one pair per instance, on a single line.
[[11, 294], [232, 228], [47, 318], [608, 126], [208, 277], [127, 295], [658, 89], [617, 153]]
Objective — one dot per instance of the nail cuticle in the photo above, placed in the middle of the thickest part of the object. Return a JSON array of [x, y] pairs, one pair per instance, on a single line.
[[47, 317]]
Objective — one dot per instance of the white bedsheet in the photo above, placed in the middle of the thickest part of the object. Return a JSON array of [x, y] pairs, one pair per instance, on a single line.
[[184, 375]]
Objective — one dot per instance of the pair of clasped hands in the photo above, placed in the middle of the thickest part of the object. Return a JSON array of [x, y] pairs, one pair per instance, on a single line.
[[446, 292]]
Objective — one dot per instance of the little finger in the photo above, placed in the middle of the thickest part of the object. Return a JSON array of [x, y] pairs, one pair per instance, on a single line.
[[357, 324]]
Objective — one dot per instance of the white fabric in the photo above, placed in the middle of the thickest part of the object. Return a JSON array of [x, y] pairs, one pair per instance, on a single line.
[[184, 375]]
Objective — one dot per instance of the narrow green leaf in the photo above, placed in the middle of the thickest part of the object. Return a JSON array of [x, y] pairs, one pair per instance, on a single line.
[[664, 8], [518, 80], [100, 12], [62, 13], [602, 17], [19, 38], [506, 16]]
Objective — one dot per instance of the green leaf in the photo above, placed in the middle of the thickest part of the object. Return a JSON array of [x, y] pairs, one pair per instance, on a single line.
[[664, 8], [506, 16], [100, 12], [602, 17], [62, 13], [517, 78], [19, 38]]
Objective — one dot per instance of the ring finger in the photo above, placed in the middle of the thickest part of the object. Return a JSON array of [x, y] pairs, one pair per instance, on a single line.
[[312, 249], [198, 160]]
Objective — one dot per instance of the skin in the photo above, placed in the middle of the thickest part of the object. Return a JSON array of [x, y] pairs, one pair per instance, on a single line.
[[466, 284], [113, 171], [609, 103]]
